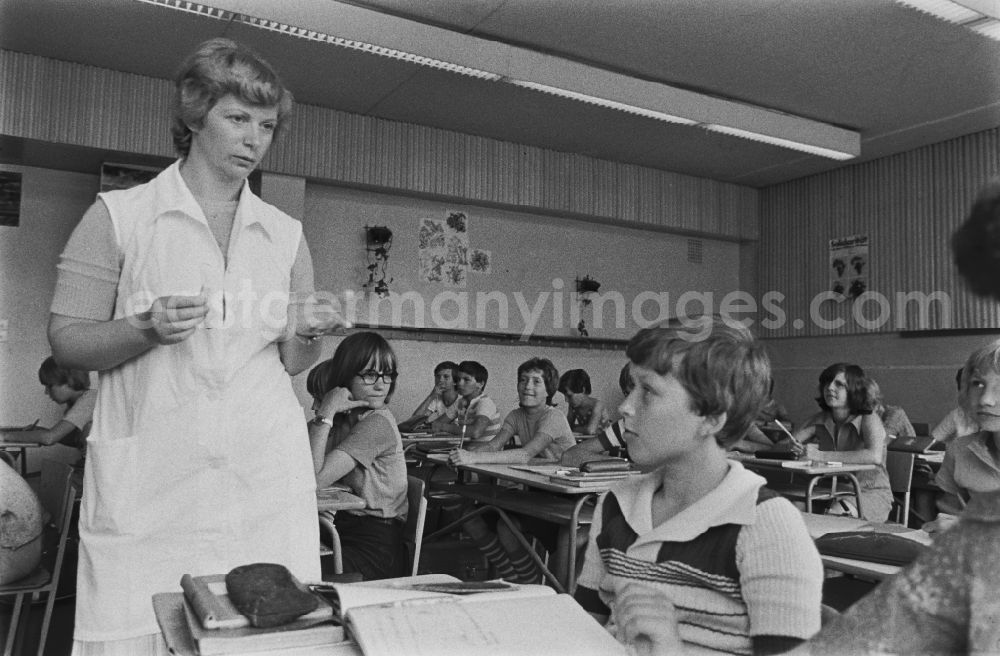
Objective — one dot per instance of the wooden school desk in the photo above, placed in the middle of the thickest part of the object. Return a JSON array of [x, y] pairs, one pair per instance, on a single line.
[[814, 473], [22, 449], [819, 525], [559, 503]]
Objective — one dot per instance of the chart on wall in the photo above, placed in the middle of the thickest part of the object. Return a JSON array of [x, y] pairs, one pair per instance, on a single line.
[[849, 265], [444, 253]]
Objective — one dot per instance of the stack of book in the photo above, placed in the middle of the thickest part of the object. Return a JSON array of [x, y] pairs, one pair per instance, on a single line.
[[578, 478], [203, 621]]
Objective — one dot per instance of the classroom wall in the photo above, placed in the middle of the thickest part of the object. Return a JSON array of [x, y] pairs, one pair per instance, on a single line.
[[908, 204], [536, 259]]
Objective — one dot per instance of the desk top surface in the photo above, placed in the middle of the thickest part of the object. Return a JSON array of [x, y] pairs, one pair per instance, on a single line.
[[335, 498], [535, 474], [799, 466], [11, 444]]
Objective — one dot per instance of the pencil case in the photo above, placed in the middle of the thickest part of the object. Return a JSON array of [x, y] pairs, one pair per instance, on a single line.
[[611, 465], [885, 548], [268, 594]]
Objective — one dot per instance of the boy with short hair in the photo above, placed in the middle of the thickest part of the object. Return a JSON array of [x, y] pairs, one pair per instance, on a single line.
[[443, 400], [698, 538], [478, 419], [68, 387]]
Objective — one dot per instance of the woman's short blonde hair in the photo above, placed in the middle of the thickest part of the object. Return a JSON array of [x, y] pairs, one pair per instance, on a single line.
[[217, 68]]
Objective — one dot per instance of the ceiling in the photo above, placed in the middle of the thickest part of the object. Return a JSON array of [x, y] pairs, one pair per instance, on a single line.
[[900, 78]]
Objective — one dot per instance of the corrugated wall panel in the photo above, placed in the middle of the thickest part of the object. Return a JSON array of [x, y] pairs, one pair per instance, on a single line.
[[908, 204], [105, 109]]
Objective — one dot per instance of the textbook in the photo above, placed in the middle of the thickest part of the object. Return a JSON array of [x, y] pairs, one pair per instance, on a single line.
[[579, 478], [202, 620], [512, 619]]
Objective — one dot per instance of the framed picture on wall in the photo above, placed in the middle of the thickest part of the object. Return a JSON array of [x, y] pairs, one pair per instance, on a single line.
[[10, 198], [123, 176]]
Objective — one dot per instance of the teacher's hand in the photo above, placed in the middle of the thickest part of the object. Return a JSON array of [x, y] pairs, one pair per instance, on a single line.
[[314, 315], [339, 400], [172, 319]]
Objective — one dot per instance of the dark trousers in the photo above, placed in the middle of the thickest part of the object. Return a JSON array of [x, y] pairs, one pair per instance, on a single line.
[[372, 546]]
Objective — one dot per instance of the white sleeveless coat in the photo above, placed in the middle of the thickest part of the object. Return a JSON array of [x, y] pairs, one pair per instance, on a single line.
[[198, 459]]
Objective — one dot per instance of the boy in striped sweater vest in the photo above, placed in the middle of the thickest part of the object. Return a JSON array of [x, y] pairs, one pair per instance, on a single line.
[[697, 555]]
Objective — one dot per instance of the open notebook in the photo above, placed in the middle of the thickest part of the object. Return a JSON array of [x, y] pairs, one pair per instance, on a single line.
[[519, 619]]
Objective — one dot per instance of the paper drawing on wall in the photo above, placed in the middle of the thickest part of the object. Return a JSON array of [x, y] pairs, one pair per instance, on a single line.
[[849, 265], [443, 249], [480, 261]]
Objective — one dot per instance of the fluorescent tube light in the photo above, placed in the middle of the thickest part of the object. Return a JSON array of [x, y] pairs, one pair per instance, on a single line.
[[602, 102], [313, 35], [777, 141], [981, 16]]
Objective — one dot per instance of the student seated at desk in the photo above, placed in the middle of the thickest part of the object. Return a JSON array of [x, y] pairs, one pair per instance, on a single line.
[[477, 419], [586, 414], [972, 462], [609, 443], [847, 430], [768, 419], [961, 420], [69, 387], [699, 539], [355, 441], [894, 418], [544, 432], [443, 400]]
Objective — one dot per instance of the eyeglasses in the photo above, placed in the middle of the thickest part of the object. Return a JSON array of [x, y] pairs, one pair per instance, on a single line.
[[369, 377]]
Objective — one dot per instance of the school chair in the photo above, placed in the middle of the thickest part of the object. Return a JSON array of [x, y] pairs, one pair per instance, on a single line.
[[326, 522], [921, 428], [899, 465], [413, 531], [58, 496]]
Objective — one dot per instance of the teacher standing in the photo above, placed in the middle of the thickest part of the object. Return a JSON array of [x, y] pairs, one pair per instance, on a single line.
[[177, 291]]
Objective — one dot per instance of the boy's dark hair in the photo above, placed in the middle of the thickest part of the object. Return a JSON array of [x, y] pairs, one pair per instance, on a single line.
[[50, 373], [975, 245], [625, 380], [858, 398], [447, 364], [475, 370], [717, 362], [351, 357], [549, 374], [576, 381]]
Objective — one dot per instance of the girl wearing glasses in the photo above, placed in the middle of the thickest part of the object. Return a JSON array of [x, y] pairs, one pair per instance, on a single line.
[[355, 443]]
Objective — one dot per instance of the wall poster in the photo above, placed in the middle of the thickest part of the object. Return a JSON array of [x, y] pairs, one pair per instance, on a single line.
[[849, 265]]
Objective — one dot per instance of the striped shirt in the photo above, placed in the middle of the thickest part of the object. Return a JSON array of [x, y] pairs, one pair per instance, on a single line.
[[735, 564]]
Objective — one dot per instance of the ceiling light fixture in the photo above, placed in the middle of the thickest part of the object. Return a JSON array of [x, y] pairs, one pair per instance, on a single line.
[[493, 61], [777, 141], [603, 102], [982, 16]]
